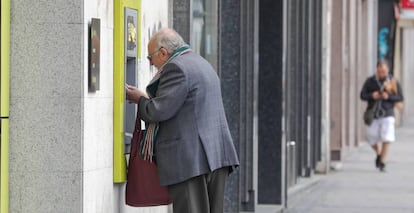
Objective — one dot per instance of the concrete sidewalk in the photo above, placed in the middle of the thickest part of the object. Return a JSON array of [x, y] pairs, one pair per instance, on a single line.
[[360, 188]]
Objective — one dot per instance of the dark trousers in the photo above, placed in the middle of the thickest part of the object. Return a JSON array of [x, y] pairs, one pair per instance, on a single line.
[[201, 194]]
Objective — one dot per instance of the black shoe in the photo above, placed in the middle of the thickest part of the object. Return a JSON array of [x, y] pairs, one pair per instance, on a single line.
[[382, 167], [378, 161]]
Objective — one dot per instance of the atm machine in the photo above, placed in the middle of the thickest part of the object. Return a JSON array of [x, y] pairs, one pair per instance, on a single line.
[[130, 43], [126, 55], [4, 104]]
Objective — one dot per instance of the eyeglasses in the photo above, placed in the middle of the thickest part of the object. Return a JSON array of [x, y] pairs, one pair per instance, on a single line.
[[149, 57]]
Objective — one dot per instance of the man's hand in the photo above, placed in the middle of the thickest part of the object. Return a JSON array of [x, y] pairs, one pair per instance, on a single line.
[[385, 95], [388, 86], [133, 94], [376, 95]]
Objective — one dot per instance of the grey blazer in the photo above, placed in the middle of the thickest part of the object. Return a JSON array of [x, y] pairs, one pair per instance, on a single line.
[[193, 136]]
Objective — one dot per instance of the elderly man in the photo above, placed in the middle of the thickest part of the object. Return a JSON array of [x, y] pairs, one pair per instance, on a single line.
[[185, 118], [381, 92]]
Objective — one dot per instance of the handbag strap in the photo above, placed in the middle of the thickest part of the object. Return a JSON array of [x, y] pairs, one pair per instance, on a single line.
[[137, 122], [135, 143], [379, 111]]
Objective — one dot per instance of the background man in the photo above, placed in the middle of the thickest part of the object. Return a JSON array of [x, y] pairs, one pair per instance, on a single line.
[[381, 91]]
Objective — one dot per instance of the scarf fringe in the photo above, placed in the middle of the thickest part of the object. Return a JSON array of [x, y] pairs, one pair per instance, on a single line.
[[147, 143]]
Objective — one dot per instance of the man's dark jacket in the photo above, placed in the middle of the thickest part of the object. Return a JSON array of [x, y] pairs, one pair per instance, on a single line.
[[370, 86]]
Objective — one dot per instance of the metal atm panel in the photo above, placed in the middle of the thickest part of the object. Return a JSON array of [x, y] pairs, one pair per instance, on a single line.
[[130, 42]]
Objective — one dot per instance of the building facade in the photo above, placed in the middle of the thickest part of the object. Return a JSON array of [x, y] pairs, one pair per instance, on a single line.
[[291, 72], [62, 150]]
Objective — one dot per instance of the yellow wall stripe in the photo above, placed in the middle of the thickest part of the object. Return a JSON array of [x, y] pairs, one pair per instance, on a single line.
[[5, 97], [4, 166], [119, 175], [5, 56]]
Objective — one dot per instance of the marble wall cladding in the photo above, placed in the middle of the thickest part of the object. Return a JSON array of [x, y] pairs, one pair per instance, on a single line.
[[153, 18], [98, 139], [98, 116], [99, 192], [46, 106], [102, 10]]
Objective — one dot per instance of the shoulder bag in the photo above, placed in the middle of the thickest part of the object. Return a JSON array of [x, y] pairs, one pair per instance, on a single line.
[[143, 186]]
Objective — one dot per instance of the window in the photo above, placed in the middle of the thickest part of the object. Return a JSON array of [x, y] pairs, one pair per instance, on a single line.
[[204, 31]]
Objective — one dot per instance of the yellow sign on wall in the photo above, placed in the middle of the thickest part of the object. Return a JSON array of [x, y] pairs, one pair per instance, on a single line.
[[4, 105]]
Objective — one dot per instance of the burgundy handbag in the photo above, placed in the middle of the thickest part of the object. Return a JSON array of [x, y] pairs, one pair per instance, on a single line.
[[143, 186]]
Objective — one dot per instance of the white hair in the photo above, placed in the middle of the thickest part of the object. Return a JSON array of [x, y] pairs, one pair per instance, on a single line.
[[168, 39]]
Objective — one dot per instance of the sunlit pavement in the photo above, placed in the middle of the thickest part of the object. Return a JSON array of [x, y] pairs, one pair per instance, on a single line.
[[361, 188]]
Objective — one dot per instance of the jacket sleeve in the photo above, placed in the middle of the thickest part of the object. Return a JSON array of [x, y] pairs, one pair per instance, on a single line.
[[397, 97], [170, 96], [365, 94]]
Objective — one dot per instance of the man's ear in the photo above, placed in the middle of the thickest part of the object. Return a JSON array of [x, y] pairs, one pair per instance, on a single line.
[[164, 51]]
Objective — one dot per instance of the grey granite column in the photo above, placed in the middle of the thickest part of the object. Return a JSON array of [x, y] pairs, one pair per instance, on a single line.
[[46, 106], [270, 177], [182, 19], [230, 80], [336, 106]]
